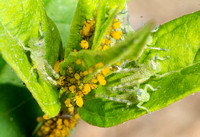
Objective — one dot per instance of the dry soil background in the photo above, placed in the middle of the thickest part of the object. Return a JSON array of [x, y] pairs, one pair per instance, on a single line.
[[181, 119]]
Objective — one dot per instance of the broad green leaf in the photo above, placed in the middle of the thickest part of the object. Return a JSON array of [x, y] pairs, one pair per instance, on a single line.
[[178, 76], [18, 111], [62, 13], [85, 10], [20, 21]]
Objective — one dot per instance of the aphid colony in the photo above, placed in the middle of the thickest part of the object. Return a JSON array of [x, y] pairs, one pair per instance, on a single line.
[[56, 127], [72, 83], [114, 32]]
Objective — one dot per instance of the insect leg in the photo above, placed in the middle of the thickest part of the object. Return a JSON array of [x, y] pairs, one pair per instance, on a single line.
[[139, 105], [159, 58], [149, 86], [50, 69], [22, 45]]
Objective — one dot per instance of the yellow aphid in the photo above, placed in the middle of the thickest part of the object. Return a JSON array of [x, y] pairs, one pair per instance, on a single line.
[[46, 129], [88, 28], [70, 70], [106, 41], [84, 44], [81, 74], [105, 71], [86, 89], [39, 119], [72, 80], [39, 133], [91, 69], [93, 80], [115, 20], [80, 87], [80, 93], [101, 79], [34, 67], [66, 122], [64, 89], [72, 88], [105, 47], [79, 101], [61, 81], [59, 121], [76, 116], [78, 61], [59, 127], [116, 25], [99, 65], [83, 64], [118, 63], [93, 86], [56, 67], [79, 82], [67, 102], [50, 122], [116, 34], [114, 68], [77, 76], [100, 48], [45, 117], [57, 133], [85, 73], [75, 50], [71, 109]]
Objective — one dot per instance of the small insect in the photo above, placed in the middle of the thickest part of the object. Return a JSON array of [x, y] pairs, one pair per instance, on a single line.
[[36, 47], [133, 96]]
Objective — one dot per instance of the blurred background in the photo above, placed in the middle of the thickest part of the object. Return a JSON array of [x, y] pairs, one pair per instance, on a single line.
[[181, 119]]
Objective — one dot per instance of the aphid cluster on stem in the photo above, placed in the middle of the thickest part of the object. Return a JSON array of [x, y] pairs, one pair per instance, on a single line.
[[57, 126], [72, 83]]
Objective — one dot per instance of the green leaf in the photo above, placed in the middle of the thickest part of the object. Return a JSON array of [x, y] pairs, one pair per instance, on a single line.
[[18, 111], [20, 21], [178, 76], [62, 13]]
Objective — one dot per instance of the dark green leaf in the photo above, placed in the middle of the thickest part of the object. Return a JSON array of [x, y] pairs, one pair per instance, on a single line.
[[18, 111]]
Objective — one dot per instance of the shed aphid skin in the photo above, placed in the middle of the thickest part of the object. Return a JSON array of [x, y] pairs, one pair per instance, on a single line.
[[130, 97], [36, 47]]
